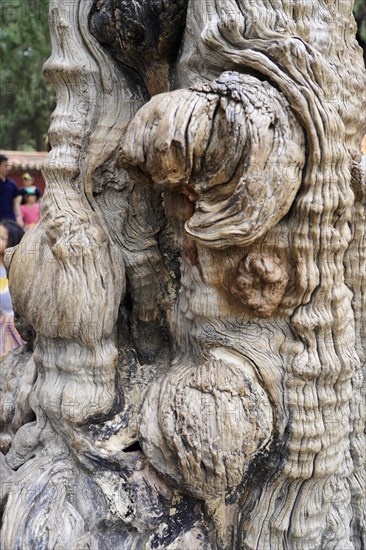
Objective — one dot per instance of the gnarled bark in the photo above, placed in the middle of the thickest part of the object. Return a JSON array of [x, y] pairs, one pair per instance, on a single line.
[[199, 338]]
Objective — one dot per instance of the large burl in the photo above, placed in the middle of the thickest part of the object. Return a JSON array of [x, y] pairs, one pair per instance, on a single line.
[[202, 425], [232, 146], [182, 334]]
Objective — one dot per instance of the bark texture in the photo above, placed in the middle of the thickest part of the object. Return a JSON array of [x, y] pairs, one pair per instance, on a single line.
[[197, 374]]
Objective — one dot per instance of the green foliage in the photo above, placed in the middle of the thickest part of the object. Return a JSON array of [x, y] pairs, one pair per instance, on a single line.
[[359, 11], [26, 99]]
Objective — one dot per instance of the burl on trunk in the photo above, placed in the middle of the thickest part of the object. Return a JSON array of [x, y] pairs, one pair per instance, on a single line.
[[194, 295]]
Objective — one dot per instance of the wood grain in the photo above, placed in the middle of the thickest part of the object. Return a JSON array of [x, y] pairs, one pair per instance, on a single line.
[[197, 374]]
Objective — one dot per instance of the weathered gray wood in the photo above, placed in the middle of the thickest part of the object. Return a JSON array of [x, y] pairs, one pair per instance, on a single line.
[[200, 336]]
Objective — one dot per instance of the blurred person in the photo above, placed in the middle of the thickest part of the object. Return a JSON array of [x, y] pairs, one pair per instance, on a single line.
[[28, 186], [10, 235], [10, 196], [30, 208], [363, 151]]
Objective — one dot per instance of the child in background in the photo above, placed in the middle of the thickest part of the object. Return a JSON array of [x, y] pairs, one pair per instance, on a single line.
[[28, 187], [10, 235], [30, 209]]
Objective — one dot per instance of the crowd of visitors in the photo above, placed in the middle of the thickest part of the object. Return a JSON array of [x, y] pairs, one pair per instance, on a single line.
[[10, 235], [19, 205], [19, 212]]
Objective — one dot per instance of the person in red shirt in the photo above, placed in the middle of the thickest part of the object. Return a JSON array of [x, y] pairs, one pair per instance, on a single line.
[[30, 210]]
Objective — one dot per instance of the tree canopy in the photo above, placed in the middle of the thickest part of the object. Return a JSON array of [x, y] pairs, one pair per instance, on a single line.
[[359, 11], [26, 98]]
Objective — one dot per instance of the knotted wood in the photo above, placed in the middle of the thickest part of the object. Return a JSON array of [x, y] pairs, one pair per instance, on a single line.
[[199, 341]]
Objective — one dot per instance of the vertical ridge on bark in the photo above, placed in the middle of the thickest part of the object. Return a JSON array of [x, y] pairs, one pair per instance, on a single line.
[[208, 380]]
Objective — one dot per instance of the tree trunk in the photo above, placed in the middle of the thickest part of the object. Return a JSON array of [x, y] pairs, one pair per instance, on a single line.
[[194, 293]]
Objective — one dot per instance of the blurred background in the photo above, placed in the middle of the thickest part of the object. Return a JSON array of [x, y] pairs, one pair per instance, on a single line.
[[26, 100]]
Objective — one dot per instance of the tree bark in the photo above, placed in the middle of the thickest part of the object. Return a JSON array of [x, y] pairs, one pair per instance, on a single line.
[[195, 288]]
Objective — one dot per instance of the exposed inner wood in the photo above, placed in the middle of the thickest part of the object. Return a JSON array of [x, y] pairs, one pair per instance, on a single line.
[[195, 373]]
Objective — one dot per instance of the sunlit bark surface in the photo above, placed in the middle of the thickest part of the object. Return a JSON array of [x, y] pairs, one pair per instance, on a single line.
[[194, 296]]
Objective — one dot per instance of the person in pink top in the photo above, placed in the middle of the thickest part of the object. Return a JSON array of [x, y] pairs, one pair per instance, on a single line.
[[30, 209]]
